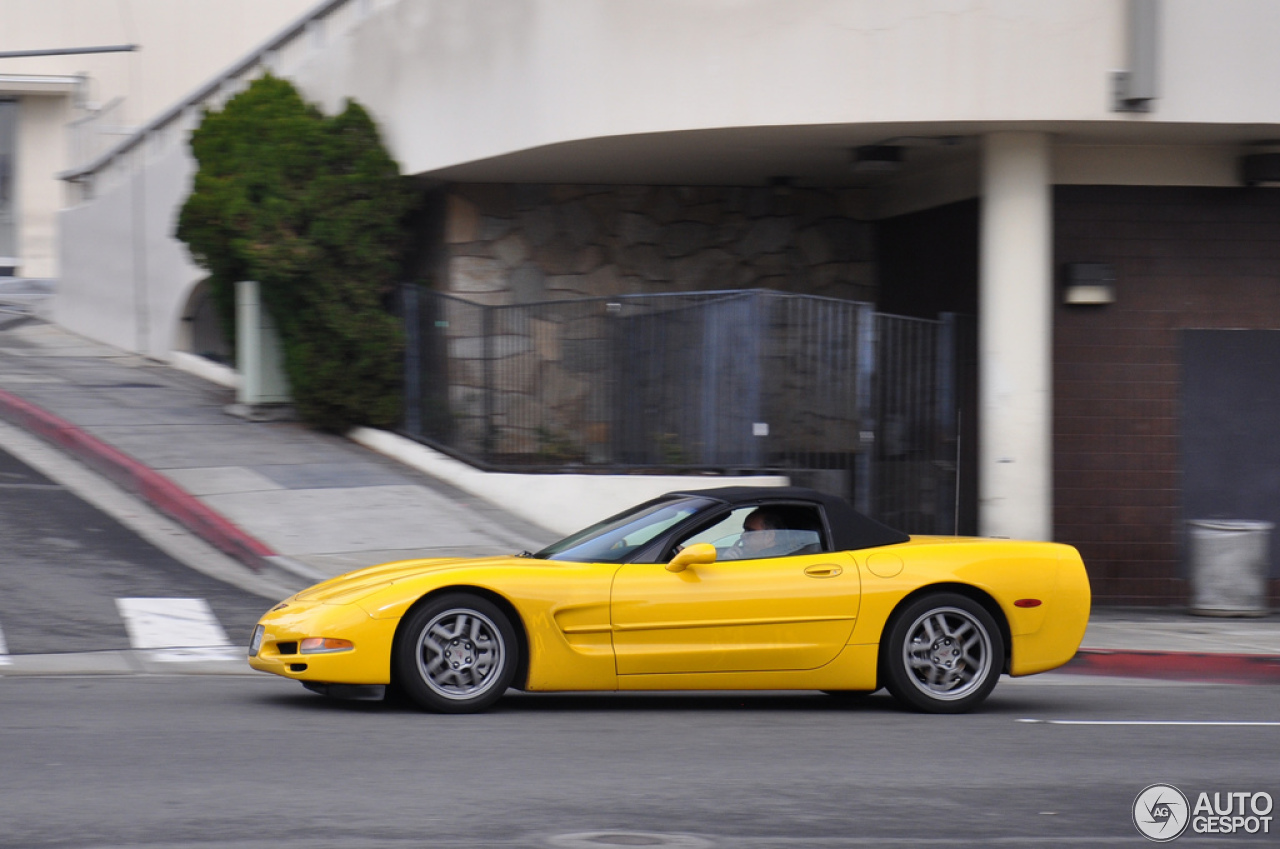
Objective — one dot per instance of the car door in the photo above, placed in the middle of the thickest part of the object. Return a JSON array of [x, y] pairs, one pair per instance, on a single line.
[[758, 613]]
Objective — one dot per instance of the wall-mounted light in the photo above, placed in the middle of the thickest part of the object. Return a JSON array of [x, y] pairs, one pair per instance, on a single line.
[[876, 159], [887, 156], [1089, 283]]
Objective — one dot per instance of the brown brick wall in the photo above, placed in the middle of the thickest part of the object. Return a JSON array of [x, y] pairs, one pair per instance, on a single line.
[[1184, 258]]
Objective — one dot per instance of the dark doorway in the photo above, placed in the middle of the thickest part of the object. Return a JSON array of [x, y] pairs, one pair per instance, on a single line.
[[1230, 420], [927, 267]]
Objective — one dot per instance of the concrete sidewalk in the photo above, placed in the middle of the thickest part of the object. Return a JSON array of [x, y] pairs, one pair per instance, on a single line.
[[270, 494], [278, 495]]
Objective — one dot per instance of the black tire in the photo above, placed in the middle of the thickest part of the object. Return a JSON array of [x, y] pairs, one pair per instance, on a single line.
[[457, 653], [943, 654]]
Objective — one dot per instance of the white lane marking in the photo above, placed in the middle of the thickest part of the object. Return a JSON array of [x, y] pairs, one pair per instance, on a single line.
[[175, 629], [1153, 722], [4, 651]]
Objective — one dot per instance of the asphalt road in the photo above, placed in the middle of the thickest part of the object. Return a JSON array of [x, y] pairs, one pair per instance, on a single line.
[[196, 761], [64, 563], [257, 762]]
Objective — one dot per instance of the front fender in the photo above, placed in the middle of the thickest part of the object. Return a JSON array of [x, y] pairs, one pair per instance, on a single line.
[[563, 608]]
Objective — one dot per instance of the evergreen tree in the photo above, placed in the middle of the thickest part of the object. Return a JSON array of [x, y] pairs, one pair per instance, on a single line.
[[312, 208]]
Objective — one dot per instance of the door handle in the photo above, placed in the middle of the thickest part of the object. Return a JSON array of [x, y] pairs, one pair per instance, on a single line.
[[823, 570]]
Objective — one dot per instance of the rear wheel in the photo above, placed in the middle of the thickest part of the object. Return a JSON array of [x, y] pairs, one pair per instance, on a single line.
[[456, 654], [943, 654]]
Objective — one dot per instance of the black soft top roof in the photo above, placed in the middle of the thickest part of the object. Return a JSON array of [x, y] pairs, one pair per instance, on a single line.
[[850, 530]]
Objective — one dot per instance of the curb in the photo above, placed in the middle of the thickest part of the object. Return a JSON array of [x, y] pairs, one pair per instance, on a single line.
[[139, 479], [128, 662], [1208, 668]]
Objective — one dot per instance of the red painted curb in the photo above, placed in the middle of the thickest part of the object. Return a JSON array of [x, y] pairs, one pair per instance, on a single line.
[[140, 479], [1209, 668]]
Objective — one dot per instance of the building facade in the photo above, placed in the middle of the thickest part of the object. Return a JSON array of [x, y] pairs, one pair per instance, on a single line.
[[1087, 177]]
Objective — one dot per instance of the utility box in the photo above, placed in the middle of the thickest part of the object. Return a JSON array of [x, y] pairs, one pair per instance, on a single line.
[[258, 352], [1229, 561]]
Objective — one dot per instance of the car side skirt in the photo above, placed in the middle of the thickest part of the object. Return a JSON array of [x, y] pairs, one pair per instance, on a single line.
[[853, 669]]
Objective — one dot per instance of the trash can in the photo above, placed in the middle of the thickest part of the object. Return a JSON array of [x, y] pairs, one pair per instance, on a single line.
[[1229, 561]]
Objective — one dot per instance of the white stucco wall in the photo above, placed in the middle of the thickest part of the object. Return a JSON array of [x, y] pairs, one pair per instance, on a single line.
[[96, 294], [469, 81], [182, 44], [465, 82], [1218, 61], [125, 279]]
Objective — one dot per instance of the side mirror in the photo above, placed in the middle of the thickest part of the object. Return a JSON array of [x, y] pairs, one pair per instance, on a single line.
[[695, 555]]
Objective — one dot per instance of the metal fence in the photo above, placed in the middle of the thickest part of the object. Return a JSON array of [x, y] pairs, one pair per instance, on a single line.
[[830, 392]]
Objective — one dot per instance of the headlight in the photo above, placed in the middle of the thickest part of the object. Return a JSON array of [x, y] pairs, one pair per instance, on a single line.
[[256, 642]]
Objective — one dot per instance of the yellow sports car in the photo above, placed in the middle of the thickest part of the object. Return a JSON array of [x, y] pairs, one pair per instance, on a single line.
[[743, 588]]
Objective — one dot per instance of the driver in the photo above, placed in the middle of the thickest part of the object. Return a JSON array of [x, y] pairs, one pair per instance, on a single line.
[[760, 538]]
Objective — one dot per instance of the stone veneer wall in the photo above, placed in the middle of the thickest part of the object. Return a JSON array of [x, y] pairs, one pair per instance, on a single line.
[[521, 244], [525, 243]]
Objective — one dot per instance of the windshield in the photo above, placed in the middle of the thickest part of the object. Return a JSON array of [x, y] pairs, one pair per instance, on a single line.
[[617, 537]]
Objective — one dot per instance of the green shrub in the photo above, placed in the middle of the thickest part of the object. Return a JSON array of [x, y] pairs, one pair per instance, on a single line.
[[312, 208]]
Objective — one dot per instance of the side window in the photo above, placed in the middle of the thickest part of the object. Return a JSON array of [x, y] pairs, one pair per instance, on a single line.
[[750, 533]]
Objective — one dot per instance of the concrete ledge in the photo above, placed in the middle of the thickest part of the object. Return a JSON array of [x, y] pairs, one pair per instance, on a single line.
[[201, 661], [563, 503], [77, 663], [207, 369]]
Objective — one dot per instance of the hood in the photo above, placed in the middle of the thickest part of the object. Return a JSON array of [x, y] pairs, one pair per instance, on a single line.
[[346, 588]]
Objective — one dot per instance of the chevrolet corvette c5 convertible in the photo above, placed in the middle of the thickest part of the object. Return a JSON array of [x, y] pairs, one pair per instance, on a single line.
[[742, 588]]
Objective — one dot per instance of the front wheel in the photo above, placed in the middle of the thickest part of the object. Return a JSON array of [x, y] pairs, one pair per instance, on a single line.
[[456, 654], [944, 654]]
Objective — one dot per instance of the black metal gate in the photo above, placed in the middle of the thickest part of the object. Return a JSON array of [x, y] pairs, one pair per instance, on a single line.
[[830, 392]]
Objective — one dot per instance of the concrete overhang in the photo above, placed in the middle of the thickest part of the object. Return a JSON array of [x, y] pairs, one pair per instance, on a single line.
[[814, 155], [39, 84]]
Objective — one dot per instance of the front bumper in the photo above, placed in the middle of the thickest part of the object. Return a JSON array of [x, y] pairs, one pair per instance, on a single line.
[[284, 629]]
